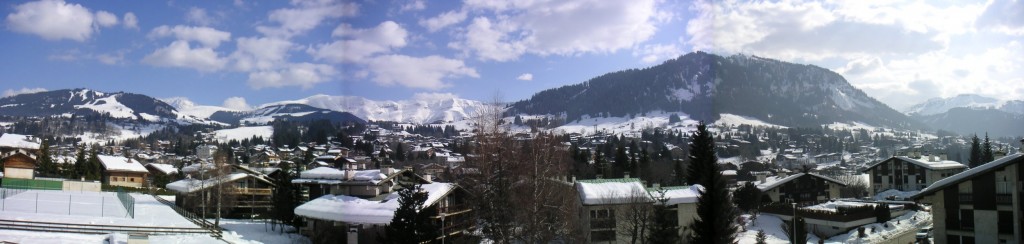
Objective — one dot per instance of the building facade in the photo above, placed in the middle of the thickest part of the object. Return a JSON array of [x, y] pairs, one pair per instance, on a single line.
[[982, 205], [802, 188], [904, 173]]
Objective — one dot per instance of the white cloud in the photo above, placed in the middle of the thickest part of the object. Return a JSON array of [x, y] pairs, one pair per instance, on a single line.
[[304, 75], [414, 5], [111, 59], [415, 72], [106, 19], [558, 27], [23, 90], [52, 20], [130, 21], [199, 16], [309, 14], [260, 53], [657, 52], [525, 76], [208, 37], [1004, 16], [180, 54], [236, 103], [361, 43], [443, 20]]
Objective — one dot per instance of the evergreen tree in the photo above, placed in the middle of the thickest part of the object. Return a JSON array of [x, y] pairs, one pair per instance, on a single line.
[[95, 167], [882, 213], [46, 165], [412, 222], [986, 152], [703, 161], [284, 196], [679, 172], [748, 197], [715, 210], [621, 161], [674, 118], [761, 237], [975, 159], [663, 228], [81, 165]]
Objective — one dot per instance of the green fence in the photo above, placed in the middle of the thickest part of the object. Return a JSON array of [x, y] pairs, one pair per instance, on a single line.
[[127, 201], [32, 184]]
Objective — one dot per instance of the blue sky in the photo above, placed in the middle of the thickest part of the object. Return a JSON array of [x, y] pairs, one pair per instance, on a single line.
[[243, 53]]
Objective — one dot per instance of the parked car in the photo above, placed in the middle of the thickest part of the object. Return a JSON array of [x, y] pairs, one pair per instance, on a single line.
[[924, 235]]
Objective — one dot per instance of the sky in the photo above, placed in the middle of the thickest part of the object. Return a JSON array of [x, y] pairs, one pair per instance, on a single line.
[[242, 53]]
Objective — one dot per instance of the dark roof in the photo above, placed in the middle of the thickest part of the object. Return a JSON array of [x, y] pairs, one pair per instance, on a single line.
[[945, 164], [969, 174]]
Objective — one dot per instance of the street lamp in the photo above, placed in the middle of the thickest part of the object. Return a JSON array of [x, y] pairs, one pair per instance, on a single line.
[[793, 236], [442, 227]]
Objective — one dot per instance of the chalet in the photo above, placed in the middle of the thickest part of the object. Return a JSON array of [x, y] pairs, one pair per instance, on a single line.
[[910, 174], [264, 158], [122, 171], [18, 155], [984, 204], [802, 188], [248, 192], [432, 169], [604, 205], [337, 218], [163, 169]]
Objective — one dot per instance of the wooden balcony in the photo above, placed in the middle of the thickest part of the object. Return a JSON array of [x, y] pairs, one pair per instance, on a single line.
[[1004, 199], [253, 191]]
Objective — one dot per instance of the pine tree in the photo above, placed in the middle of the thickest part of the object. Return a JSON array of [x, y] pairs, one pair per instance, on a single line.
[[80, 164], [412, 222], [703, 161], [986, 152], [679, 172], [284, 200], [761, 237], [621, 161], [715, 210], [975, 159], [663, 228], [95, 167], [748, 197], [46, 165]]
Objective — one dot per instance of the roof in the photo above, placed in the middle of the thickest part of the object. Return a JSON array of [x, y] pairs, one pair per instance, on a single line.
[[164, 168], [18, 141], [328, 175], [192, 185], [117, 163], [612, 191], [775, 181], [932, 165], [968, 174], [350, 209], [678, 194]]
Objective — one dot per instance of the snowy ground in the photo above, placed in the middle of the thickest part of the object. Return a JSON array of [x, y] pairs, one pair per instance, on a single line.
[[900, 195], [898, 225], [149, 212], [241, 133], [770, 225]]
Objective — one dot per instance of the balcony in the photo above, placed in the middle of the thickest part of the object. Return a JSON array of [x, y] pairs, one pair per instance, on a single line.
[[1004, 199], [253, 191], [602, 224], [966, 198]]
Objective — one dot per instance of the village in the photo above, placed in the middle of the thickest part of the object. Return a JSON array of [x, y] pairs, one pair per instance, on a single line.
[[843, 185]]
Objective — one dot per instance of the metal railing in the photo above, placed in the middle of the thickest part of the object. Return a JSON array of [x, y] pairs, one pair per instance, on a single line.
[[212, 229], [127, 201]]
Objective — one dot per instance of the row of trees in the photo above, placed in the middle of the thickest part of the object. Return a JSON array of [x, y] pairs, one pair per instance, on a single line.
[[87, 166]]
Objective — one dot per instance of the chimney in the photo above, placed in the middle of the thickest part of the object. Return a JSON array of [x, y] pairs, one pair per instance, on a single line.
[[573, 179], [350, 174], [626, 175], [429, 178], [761, 177], [942, 157], [931, 158], [783, 174]]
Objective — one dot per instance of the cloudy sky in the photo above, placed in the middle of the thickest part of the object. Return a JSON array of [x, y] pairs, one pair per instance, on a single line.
[[242, 53]]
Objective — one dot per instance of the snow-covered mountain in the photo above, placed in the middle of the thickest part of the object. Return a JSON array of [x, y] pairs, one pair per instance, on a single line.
[[85, 102], [421, 109], [941, 105], [294, 112], [187, 107], [706, 86]]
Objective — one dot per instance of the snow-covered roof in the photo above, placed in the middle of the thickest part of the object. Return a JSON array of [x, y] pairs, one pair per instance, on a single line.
[[328, 175], [18, 141], [350, 209], [729, 172], [775, 181], [612, 191], [164, 168], [932, 165], [679, 194], [192, 185], [117, 163], [968, 174]]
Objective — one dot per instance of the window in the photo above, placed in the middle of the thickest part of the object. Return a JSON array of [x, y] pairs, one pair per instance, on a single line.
[[967, 219], [1005, 222]]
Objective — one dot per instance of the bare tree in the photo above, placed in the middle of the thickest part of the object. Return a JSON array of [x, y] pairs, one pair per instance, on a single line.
[[855, 186], [518, 194], [635, 216]]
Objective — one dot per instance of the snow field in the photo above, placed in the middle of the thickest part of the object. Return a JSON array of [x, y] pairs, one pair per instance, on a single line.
[[66, 203]]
